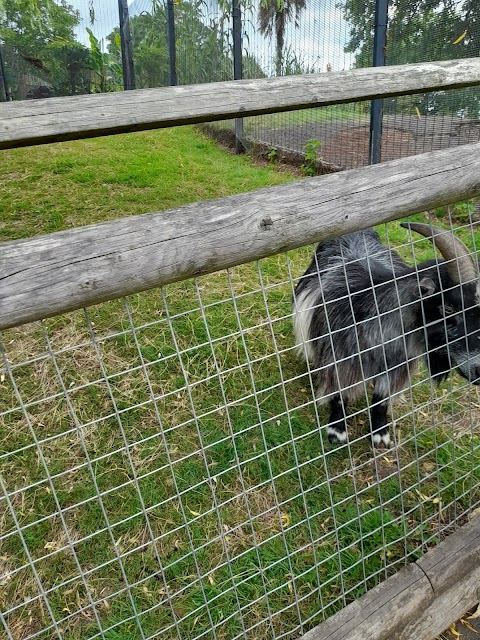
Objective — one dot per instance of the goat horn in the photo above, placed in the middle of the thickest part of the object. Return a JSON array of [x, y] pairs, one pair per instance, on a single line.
[[460, 266]]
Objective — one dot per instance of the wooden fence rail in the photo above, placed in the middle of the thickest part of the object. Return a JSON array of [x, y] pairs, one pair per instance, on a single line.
[[40, 121], [44, 276]]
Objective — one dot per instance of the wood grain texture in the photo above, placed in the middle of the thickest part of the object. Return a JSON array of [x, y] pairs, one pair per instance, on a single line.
[[444, 566], [48, 275], [56, 119], [447, 608], [382, 613], [417, 602]]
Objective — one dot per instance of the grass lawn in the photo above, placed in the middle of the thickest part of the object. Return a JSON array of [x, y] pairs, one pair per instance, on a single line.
[[172, 439], [358, 111]]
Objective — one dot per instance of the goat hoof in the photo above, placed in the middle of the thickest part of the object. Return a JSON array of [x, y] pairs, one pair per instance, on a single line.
[[336, 436], [381, 439]]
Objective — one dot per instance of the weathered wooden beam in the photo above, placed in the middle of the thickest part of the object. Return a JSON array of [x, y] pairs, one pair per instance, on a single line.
[[383, 612], [56, 119], [445, 566], [48, 275], [420, 601], [461, 595]]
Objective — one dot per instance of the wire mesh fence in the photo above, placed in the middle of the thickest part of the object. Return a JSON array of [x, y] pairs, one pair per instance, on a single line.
[[165, 464]]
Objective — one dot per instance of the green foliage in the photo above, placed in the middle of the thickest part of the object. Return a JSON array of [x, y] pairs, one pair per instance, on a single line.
[[273, 17], [309, 167], [294, 64], [39, 41], [272, 155], [461, 212], [41, 49], [106, 75], [251, 68], [420, 30], [203, 51]]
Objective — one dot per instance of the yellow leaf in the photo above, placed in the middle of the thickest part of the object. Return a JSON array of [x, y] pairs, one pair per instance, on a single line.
[[289, 585], [50, 546], [417, 111], [425, 498], [286, 519], [194, 513], [454, 631], [468, 625], [211, 579], [460, 38]]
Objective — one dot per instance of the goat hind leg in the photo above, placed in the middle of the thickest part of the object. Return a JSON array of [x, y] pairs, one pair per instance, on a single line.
[[379, 421], [337, 426]]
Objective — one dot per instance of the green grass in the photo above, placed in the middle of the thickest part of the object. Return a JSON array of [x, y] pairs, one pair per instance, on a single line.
[[356, 111], [321, 114], [55, 187], [271, 526]]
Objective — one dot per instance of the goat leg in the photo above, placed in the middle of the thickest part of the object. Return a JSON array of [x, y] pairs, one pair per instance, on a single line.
[[337, 426], [379, 421]]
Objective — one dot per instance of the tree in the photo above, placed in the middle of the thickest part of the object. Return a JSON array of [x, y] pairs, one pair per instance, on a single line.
[[203, 51], [39, 43], [273, 17], [418, 31]]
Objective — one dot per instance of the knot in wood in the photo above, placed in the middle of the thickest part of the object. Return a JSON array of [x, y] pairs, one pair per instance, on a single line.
[[266, 223]]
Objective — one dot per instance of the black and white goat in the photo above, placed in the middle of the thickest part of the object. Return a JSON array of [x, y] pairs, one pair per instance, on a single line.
[[362, 315]]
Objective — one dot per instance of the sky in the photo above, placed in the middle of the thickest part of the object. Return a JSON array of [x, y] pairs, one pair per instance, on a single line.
[[319, 41]]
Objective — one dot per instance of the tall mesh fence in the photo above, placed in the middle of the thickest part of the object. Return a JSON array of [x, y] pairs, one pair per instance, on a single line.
[[314, 42], [439, 119], [165, 463], [79, 50]]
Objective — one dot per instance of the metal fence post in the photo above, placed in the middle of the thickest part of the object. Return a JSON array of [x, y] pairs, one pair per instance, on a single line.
[[126, 46], [238, 69], [4, 91], [172, 52], [376, 111]]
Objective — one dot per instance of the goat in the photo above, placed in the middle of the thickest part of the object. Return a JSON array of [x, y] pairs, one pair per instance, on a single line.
[[362, 314]]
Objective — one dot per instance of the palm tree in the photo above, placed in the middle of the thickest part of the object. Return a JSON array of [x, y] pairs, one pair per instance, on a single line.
[[274, 16]]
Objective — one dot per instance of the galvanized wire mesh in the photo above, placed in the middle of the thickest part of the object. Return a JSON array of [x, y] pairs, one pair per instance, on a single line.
[[166, 473], [443, 118]]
